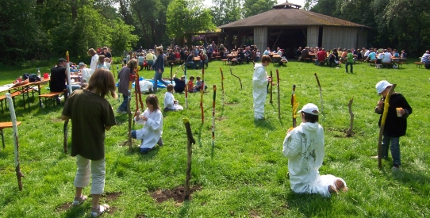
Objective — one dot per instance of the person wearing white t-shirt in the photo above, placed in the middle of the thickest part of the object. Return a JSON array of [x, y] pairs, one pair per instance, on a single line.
[[387, 57], [94, 60]]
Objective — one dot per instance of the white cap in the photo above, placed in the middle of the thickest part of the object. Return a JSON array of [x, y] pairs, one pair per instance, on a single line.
[[310, 109], [381, 86]]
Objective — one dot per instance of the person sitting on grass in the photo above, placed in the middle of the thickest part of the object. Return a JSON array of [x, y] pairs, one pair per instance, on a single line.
[[304, 148], [190, 84], [179, 84], [170, 104], [152, 121], [199, 85], [91, 116]]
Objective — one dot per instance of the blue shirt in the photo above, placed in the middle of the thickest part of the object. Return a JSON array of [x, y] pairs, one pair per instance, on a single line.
[[372, 55]]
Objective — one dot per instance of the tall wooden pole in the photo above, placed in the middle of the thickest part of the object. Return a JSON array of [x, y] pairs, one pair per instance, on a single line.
[[213, 116], [279, 98], [18, 172], [190, 142]]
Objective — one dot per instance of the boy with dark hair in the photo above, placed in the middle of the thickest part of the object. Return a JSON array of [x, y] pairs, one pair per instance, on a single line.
[[190, 84], [304, 148], [170, 104], [395, 123]]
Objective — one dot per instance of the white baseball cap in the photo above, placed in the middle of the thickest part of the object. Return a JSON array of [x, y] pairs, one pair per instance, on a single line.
[[310, 109], [382, 85]]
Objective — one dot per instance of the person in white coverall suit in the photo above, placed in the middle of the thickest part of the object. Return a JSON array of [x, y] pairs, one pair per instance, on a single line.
[[304, 148], [259, 83]]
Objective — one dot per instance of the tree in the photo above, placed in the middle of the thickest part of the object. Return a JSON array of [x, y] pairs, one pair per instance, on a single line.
[[226, 11], [121, 37], [254, 7], [187, 17]]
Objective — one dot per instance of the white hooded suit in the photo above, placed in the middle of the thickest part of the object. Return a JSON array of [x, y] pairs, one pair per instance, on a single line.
[[304, 148], [259, 92]]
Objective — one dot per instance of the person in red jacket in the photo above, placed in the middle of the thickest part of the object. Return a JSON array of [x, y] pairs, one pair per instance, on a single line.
[[321, 56]]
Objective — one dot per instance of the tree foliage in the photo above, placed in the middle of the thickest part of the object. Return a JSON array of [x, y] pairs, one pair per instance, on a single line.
[[401, 24], [187, 17], [254, 7], [226, 11]]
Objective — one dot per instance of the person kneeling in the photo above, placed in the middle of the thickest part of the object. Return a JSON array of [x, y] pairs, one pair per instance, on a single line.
[[170, 104], [304, 148], [152, 121]]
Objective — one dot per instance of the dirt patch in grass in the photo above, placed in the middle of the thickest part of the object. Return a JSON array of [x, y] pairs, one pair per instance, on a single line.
[[342, 133], [254, 214], [112, 210], [57, 120], [178, 194], [111, 196], [221, 118], [64, 206]]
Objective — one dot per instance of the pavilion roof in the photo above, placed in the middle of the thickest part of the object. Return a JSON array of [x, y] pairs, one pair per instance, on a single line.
[[289, 15]]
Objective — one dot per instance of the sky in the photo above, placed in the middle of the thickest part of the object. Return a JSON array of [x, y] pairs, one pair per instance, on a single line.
[[299, 2]]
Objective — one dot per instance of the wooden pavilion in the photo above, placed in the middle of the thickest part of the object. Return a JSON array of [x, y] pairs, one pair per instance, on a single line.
[[288, 27]]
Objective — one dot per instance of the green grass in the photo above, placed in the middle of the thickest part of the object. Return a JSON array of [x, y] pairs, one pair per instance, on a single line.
[[244, 175]]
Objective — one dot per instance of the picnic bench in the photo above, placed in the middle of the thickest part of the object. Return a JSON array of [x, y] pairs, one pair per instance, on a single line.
[[4, 125], [225, 61], [418, 64], [3, 98], [49, 96]]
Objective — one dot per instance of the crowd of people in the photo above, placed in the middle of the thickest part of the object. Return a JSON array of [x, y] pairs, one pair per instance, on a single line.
[[336, 56], [303, 145]]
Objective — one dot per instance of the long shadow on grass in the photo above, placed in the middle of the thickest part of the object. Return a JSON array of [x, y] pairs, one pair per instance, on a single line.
[[309, 205], [184, 210], [412, 179]]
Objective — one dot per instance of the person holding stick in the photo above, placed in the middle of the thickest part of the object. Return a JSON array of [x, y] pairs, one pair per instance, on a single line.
[[304, 148], [395, 123], [91, 116], [152, 121], [259, 83]]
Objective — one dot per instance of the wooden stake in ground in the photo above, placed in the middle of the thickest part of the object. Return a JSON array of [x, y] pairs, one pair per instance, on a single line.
[[213, 116], [130, 82], [279, 98], [349, 131], [171, 71], [271, 87], [222, 85], [381, 128], [19, 174], [190, 142], [186, 88], [321, 98], [294, 106], [240, 81], [202, 90], [68, 92]]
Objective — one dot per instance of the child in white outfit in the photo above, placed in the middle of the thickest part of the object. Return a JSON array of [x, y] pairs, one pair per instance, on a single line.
[[152, 121], [170, 104]]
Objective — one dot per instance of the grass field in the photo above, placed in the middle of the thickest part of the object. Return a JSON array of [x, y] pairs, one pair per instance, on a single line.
[[244, 175]]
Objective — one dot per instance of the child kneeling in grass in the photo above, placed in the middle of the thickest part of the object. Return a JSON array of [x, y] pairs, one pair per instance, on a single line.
[[170, 104], [152, 121], [304, 148]]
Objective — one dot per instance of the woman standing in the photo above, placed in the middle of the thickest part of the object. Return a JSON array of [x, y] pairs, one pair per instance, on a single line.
[[158, 66]]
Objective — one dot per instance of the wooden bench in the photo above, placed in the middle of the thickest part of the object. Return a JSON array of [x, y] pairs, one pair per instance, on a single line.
[[4, 125], [52, 96], [418, 64], [3, 98], [225, 61]]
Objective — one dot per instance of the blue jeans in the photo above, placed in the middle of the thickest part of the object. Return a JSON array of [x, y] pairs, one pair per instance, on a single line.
[[395, 149], [123, 105], [346, 66], [142, 150], [158, 77]]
